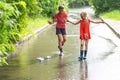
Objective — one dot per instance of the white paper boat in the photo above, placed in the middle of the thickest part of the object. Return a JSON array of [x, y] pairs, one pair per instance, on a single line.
[[40, 59], [48, 57]]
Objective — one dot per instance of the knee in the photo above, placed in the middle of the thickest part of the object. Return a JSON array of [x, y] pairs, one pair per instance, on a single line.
[[86, 45], [81, 45], [65, 40], [60, 40]]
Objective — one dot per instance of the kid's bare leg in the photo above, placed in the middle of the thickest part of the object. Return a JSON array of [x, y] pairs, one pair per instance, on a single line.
[[60, 41], [64, 39], [81, 49], [86, 48]]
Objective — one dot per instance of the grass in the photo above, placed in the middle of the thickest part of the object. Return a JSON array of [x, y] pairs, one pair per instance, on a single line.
[[34, 23], [37, 22], [111, 15]]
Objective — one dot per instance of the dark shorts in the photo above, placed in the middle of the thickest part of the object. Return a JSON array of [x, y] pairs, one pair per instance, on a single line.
[[60, 31]]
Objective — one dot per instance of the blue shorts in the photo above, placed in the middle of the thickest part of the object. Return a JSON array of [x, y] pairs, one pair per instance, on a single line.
[[60, 31]]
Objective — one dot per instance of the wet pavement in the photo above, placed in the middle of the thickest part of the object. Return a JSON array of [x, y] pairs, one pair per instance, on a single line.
[[114, 26], [102, 63]]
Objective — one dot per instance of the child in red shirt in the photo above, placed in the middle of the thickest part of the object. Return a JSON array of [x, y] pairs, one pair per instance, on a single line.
[[60, 18], [84, 33]]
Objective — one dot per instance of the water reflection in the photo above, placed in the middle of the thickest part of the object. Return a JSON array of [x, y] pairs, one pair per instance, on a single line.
[[62, 70], [83, 70]]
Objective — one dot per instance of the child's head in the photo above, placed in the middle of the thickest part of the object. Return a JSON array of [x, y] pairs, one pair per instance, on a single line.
[[83, 15], [61, 9]]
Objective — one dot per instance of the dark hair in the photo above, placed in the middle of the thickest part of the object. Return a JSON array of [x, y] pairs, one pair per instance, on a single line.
[[60, 7]]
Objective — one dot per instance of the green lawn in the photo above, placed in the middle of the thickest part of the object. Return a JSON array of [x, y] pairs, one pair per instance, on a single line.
[[34, 23], [115, 15], [37, 22]]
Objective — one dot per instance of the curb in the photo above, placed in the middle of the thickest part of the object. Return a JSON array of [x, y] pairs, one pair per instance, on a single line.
[[113, 30]]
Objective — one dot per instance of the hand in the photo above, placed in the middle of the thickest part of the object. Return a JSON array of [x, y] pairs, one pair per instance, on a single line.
[[103, 21], [50, 22], [64, 20], [70, 22]]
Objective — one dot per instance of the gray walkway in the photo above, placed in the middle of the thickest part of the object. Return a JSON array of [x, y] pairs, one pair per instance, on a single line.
[[114, 25]]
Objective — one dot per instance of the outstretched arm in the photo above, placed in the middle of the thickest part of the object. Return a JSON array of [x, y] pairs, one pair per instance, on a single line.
[[53, 21], [73, 22], [70, 21], [97, 22], [77, 22]]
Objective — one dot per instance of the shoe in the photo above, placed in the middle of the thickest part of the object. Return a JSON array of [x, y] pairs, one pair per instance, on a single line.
[[40, 59], [84, 58], [61, 54], [48, 57], [80, 58]]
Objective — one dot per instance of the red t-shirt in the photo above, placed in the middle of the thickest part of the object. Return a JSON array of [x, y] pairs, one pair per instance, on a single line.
[[84, 29], [60, 20]]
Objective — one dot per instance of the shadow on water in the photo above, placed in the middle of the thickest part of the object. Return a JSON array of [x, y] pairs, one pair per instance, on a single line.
[[83, 70], [62, 74]]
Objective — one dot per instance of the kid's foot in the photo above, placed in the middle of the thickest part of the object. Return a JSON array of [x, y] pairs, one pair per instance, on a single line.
[[84, 58], [61, 54], [80, 58]]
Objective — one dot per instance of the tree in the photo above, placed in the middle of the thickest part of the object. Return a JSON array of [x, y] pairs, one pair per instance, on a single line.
[[49, 7], [12, 21], [104, 5], [78, 3]]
